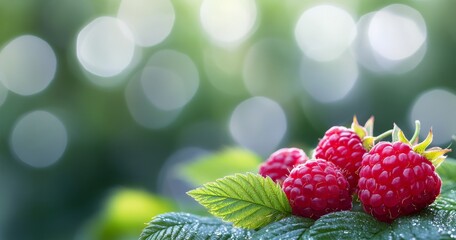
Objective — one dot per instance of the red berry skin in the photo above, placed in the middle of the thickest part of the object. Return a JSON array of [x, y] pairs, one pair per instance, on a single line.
[[315, 188], [343, 147], [396, 181], [280, 163]]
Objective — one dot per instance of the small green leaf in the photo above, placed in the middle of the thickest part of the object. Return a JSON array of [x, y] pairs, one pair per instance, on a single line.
[[248, 200], [291, 228], [346, 225], [224, 163], [186, 226]]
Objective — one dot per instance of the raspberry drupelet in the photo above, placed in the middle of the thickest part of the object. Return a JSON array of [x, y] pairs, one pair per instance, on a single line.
[[280, 163], [317, 187]]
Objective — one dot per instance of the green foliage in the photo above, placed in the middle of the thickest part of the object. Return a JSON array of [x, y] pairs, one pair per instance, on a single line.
[[447, 170], [346, 225], [124, 214], [445, 203], [252, 202], [220, 164], [429, 224], [288, 228], [187, 226], [247, 200]]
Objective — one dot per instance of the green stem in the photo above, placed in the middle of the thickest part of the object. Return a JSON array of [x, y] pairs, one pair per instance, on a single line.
[[383, 135], [416, 133]]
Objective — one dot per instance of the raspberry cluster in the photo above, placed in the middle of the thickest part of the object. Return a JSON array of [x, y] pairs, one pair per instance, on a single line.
[[390, 178]]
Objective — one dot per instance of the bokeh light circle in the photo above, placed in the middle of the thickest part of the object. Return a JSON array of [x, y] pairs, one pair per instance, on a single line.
[[3, 93], [222, 67], [397, 32], [324, 32], [329, 81], [170, 79], [228, 21], [143, 111], [149, 21], [373, 61], [39, 139], [27, 65], [435, 108], [105, 47], [259, 124]]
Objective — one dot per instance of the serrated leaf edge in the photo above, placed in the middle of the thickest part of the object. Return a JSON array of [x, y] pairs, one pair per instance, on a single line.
[[274, 191]]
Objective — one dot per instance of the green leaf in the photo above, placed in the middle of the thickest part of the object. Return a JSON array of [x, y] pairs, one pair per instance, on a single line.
[[428, 224], [445, 203], [224, 163], [412, 227], [447, 170], [248, 200], [346, 225], [288, 228], [446, 223], [447, 198], [448, 188], [187, 226]]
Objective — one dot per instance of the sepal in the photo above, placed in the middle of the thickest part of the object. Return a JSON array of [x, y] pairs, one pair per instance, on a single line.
[[435, 155], [421, 147], [366, 132], [358, 129]]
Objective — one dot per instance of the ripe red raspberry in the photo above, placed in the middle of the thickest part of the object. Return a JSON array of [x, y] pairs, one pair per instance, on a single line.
[[396, 181], [315, 188], [343, 147], [280, 163]]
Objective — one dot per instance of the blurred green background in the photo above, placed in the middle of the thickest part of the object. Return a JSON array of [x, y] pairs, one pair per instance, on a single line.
[[102, 102]]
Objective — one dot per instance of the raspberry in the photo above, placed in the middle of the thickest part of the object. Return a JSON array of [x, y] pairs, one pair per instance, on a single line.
[[343, 147], [315, 188], [396, 181], [280, 163]]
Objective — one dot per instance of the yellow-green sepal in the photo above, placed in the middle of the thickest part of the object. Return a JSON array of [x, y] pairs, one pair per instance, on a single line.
[[435, 155], [366, 132], [358, 129], [421, 147]]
